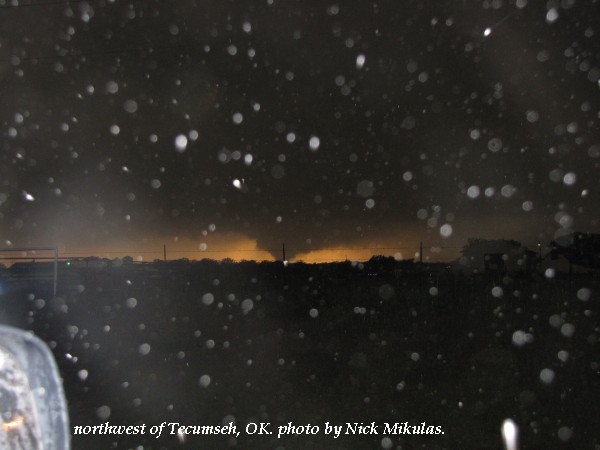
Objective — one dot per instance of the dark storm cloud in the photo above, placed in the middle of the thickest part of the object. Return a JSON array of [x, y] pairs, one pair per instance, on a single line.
[[95, 94]]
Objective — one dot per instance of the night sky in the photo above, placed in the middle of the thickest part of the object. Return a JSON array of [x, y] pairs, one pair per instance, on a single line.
[[239, 125]]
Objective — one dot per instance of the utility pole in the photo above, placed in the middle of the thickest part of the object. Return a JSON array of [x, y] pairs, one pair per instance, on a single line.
[[421, 252], [283, 248], [55, 269], [165, 252]]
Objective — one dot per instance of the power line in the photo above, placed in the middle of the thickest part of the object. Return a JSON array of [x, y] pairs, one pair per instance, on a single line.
[[367, 248], [268, 250], [161, 251], [353, 252]]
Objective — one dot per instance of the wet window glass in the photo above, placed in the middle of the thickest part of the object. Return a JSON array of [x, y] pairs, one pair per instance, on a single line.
[[297, 224]]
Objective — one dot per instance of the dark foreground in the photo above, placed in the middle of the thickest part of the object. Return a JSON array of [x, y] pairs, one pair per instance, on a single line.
[[258, 344]]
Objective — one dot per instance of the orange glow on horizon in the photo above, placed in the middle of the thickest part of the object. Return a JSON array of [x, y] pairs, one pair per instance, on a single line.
[[214, 246], [237, 247], [350, 254]]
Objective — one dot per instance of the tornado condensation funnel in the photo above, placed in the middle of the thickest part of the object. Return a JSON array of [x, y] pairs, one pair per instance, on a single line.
[[33, 411]]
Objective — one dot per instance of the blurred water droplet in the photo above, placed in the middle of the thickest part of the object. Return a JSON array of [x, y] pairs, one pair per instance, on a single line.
[[103, 412], [547, 376], [144, 349]]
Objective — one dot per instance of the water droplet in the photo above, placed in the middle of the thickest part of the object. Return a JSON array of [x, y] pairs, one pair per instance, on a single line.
[[532, 116], [314, 143], [111, 87], [569, 179], [130, 106], [555, 320], [565, 433], [547, 376], [473, 192], [247, 305], [386, 443], [144, 349], [563, 355], [509, 434], [584, 294], [204, 381], [495, 144], [238, 118], [446, 230], [360, 61], [386, 291], [519, 338], [181, 142], [365, 188], [567, 330], [552, 15], [103, 412], [208, 299], [527, 206], [497, 292]]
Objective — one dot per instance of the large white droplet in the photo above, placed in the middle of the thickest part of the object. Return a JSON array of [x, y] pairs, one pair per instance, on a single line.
[[314, 143], [473, 192], [551, 15], [446, 230], [360, 61], [204, 381], [181, 142], [510, 434], [238, 118]]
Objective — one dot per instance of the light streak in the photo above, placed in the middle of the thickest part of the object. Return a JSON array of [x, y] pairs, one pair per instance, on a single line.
[[13, 423]]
